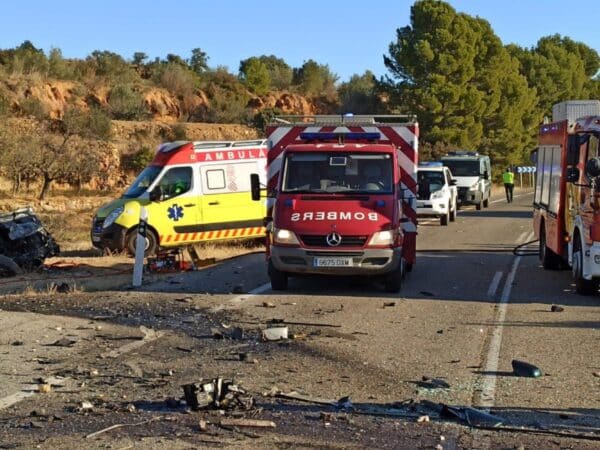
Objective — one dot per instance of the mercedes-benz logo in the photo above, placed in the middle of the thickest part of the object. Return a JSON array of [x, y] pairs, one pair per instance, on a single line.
[[333, 239]]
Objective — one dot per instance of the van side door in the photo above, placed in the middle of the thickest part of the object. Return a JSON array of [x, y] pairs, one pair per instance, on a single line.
[[226, 201]]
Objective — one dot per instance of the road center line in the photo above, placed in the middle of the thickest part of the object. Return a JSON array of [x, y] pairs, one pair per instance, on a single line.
[[487, 398], [494, 284], [240, 298]]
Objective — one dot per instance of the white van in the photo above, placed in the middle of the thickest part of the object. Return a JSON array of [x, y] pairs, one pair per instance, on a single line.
[[472, 173]]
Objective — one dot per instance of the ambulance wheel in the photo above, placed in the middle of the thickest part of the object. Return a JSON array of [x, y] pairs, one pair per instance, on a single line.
[[393, 280], [9, 268], [151, 242], [549, 259], [582, 286], [279, 279]]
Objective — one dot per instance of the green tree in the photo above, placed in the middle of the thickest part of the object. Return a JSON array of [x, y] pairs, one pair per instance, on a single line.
[[360, 95], [53, 149], [280, 73], [315, 79], [454, 73], [126, 103], [256, 76], [110, 65], [198, 62], [559, 69], [228, 98]]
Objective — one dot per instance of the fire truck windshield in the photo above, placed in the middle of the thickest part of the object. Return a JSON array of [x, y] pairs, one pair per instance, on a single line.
[[324, 172], [142, 182]]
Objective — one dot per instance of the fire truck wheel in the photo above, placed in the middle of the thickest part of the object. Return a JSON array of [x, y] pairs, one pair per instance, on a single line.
[[393, 280], [9, 268], [549, 259], [151, 243], [279, 279], [582, 286]]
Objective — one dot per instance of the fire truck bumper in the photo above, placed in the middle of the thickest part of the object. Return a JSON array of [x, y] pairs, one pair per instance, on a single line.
[[363, 262]]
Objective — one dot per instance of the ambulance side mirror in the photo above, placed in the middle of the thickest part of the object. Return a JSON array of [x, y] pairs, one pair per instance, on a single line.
[[155, 194], [255, 186]]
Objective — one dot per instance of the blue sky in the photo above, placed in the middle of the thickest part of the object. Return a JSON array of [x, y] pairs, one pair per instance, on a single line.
[[350, 36]]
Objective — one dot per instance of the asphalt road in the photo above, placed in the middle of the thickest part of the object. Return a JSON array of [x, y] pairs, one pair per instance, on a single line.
[[475, 301]]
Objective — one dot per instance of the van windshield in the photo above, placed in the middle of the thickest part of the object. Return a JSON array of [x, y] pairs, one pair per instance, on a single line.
[[463, 168], [142, 182], [328, 172]]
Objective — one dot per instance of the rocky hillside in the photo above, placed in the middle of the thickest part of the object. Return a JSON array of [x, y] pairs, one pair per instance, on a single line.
[[162, 105]]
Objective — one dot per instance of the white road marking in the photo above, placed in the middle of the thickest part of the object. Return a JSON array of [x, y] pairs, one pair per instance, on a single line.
[[494, 284], [27, 391], [491, 364], [240, 298]]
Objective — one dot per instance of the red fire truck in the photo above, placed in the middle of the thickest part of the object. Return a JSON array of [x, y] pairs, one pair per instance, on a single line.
[[341, 197], [567, 198]]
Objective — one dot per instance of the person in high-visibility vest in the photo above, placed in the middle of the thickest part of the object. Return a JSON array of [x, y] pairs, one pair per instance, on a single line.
[[509, 183]]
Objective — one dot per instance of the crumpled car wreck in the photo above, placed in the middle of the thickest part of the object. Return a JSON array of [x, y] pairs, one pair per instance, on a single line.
[[24, 242]]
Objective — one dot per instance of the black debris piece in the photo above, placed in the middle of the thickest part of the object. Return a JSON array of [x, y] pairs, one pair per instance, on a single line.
[[524, 369]]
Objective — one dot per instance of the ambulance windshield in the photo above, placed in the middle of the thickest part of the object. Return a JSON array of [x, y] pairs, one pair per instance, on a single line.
[[142, 182], [364, 173]]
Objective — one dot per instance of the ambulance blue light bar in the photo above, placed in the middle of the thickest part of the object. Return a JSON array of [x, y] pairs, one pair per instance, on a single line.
[[347, 136]]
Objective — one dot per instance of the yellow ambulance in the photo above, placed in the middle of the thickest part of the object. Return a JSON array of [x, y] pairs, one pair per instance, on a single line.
[[193, 192]]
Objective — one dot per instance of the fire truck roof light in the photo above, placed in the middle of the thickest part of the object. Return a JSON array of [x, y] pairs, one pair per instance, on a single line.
[[348, 136]]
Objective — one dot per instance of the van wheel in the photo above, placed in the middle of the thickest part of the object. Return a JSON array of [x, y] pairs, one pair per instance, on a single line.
[[582, 286], [486, 202], [151, 242], [479, 204], [453, 213], [393, 280], [549, 259], [279, 279], [444, 219]]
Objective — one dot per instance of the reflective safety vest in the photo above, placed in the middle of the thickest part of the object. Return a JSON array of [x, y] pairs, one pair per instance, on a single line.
[[508, 178]]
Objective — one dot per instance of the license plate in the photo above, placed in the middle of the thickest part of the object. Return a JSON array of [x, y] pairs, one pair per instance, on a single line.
[[332, 262], [95, 238]]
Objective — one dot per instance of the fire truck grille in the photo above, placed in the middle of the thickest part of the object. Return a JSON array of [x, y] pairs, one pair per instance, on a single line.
[[321, 241]]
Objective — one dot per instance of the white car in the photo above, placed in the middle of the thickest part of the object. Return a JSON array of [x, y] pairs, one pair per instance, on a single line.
[[436, 193]]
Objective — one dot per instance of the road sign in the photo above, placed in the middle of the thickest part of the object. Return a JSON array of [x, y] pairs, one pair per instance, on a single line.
[[525, 169]]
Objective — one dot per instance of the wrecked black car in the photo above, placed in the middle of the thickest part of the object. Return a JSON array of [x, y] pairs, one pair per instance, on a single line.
[[24, 242]]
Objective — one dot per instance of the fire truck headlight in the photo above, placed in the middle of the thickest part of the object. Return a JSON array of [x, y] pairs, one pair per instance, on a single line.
[[282, 236], [114, 215], [382, 238]]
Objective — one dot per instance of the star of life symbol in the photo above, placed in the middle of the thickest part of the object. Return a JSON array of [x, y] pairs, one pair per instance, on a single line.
[[175, 212]]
